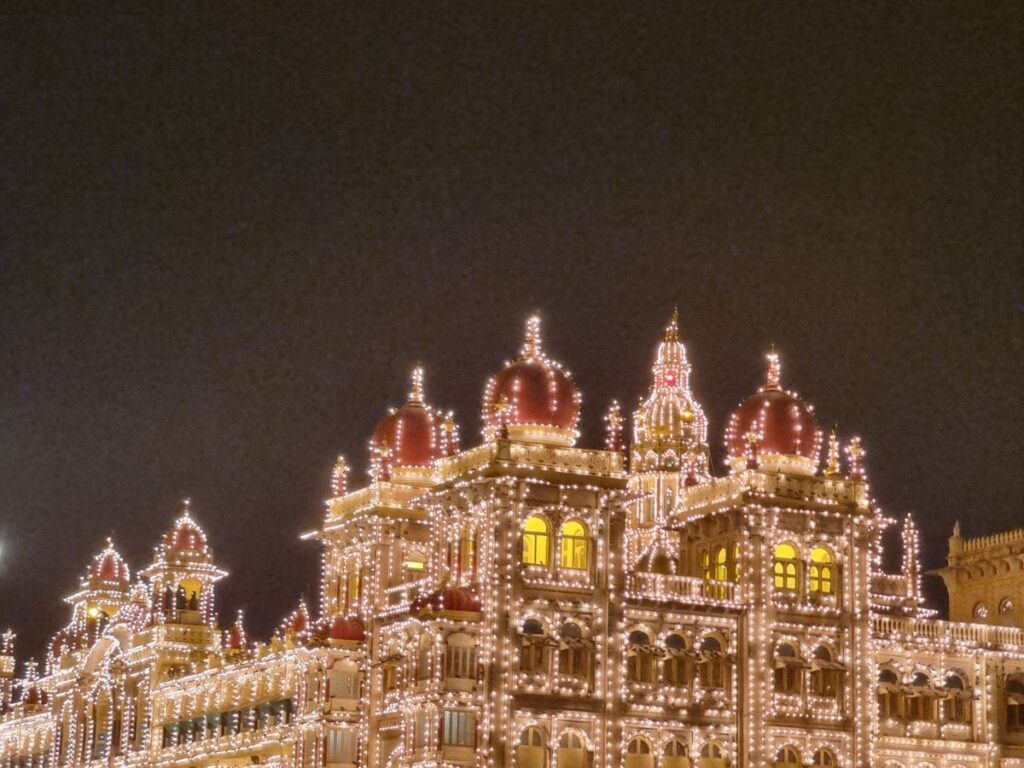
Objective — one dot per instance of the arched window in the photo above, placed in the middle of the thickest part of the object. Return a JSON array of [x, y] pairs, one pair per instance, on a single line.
[[788, 757], [711, 756], [957, 705], [889, 701], [574, 655], [921, 699], [825, 758], [639, 753], [575, 545], [785, 570], [711, 667], [1015, 706], [722, 564], [826, 674], [819, 577], [641, 660], [572, 750], [675, 754], [676, 669], [705, 560], [533, 653], [789, 669], [531, 751], [536, 541]]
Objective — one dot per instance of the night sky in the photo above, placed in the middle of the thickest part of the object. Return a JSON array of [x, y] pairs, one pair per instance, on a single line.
[[227, 233]]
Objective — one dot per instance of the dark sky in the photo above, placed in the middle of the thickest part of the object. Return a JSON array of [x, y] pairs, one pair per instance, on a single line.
[[226, 234]]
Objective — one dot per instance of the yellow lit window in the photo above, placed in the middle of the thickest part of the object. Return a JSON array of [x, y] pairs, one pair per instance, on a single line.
[[722, 564], [785, 567], [819, 577], [706, 562], [574, 545], [736, 562], [536, 541]]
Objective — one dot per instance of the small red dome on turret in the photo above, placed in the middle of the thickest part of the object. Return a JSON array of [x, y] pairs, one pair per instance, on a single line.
[[108, 565], [347, 629], [532, 397], [186, 537], [411, 436], [773, 423], [457, 599]]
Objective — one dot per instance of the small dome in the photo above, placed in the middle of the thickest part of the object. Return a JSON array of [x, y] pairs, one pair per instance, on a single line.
[[298, 622], [234, 636], [458, 599], [533, 397], [409, 434], [773, 423], [108, 565], [347, 629], [186, 537]]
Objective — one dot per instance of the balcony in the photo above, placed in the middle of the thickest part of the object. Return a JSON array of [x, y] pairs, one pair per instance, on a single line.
[[687, 589]]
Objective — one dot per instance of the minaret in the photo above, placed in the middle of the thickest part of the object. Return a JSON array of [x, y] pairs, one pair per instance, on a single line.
[[911, 559]]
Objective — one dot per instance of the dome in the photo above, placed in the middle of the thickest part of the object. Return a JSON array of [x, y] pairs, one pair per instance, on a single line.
[[108, 565], [347, 629], [456, 599], [773, 428], [185, 537], [412, 436], [533, 397], [298, 622]]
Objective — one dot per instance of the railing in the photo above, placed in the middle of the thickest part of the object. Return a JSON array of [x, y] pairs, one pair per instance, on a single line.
[[657, 586], [817, 489], [381, 494], [603, 463], [946, 631]]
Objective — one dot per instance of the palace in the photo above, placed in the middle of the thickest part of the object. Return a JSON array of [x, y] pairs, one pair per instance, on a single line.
[[528, 603]]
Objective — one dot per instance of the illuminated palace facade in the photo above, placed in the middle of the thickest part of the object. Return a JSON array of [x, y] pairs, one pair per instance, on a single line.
[[528, 603]]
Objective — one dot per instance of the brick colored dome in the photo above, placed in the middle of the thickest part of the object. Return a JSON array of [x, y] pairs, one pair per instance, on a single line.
[[773, 421], [533, 390], [411, 435], [108, 565], [186, 537]]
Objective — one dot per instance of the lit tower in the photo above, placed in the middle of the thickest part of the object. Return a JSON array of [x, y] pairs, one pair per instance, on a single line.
[[101, 594], [670, 447], [182, 575]]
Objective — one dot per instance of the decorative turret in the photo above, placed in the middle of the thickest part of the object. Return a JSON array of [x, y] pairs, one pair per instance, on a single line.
[[103, 591], [183, 574], [297, 626], [670, 430], [773, 429], [532, 398], [613, 428], [339, 477], [911, 559], [235, 640]]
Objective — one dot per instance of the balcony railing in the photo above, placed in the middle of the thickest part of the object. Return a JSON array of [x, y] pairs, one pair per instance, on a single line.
[[946, 631], [657, 586]]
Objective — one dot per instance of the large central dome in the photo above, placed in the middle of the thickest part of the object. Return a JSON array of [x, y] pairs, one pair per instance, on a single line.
[[532, 398]]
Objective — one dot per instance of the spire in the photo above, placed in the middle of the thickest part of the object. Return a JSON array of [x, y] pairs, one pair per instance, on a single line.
[[416, 386], [339, 477], [832, 461], [672, 329], [911, 557], [532, 343], [856, 453], [773, 379], [613, 427]]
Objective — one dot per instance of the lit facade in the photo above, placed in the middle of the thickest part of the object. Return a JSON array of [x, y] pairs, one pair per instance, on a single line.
[[526, 602]]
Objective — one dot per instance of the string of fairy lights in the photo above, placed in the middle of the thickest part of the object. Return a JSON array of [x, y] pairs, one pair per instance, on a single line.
[[530, 603]]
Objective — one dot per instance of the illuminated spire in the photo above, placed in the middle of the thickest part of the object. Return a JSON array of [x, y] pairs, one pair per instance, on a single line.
[[832, 461], [613, 427], [416, 386], [773, 379], [339, 477], [856, 452], [672, 329], [532, 343]]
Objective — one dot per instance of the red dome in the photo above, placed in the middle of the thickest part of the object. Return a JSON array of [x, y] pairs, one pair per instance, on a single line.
[[449, 599], [185, 537], [531, 391], [409, 436], [108, 565], [773, 421], [298, 622], [347, 629]]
